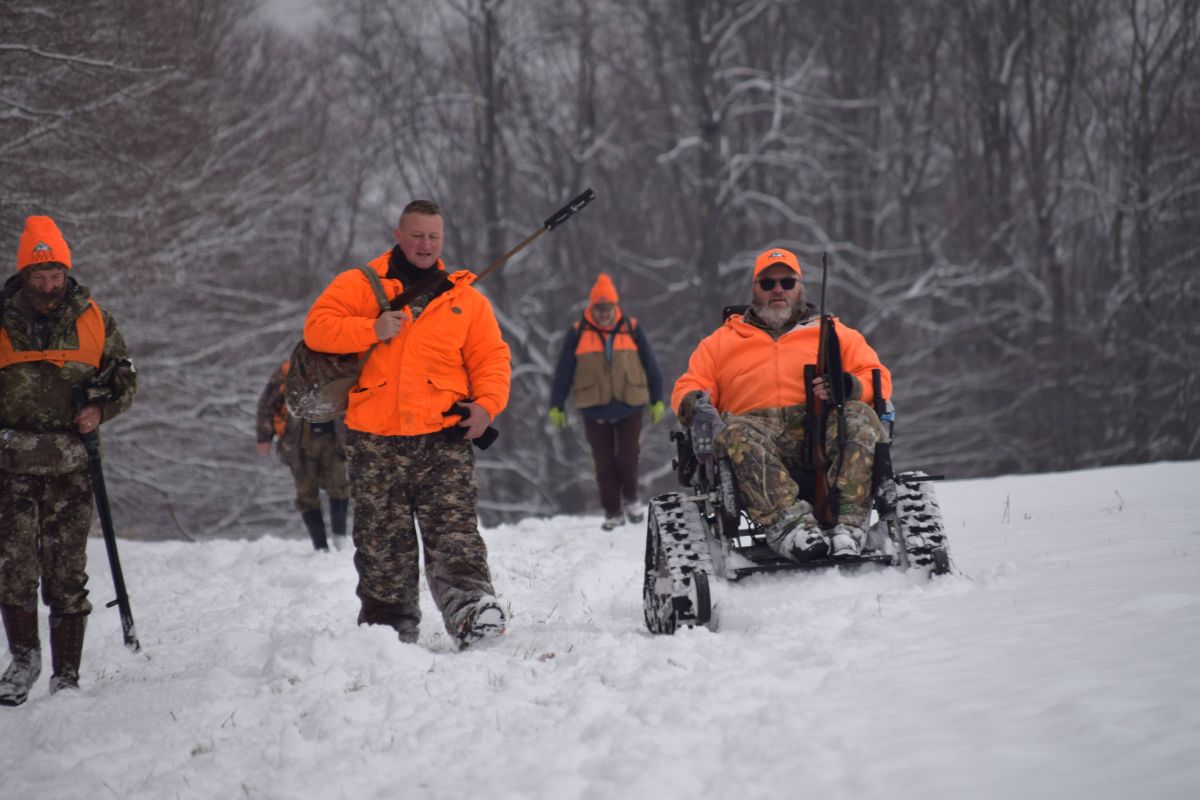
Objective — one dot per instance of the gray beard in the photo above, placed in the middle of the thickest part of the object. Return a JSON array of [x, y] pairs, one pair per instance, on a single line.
[[774, 317]]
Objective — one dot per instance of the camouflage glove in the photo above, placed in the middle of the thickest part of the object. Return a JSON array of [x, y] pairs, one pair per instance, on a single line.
[[656, 412], [558, 418], [706, 424]]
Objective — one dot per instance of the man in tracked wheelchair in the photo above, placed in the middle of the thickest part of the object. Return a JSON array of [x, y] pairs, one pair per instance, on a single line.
[[744, 398]]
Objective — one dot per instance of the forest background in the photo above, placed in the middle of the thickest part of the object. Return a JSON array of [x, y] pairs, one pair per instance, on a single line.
[[1008, 191]]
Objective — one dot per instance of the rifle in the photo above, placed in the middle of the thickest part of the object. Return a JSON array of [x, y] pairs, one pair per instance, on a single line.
[[440, 282], [828, 366], [91, 443]]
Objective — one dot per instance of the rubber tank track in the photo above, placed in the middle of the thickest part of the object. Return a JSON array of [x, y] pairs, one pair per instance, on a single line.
[[919, 518], [679, 553]]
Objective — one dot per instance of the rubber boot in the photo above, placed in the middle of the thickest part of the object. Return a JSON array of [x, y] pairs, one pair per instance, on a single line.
[[66, 650], [316, 528], [337, 521], [21, 625]]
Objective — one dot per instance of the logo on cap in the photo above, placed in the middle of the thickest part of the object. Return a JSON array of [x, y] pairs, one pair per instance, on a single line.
[[41, 246]]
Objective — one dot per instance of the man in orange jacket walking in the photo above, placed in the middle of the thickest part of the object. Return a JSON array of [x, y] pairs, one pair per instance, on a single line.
[[744, 392], [410, 463]]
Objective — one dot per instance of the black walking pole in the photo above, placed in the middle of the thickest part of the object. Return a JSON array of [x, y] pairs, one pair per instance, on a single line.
[[91, 442]]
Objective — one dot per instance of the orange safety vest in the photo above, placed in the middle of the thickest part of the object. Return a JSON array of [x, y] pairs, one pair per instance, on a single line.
[[600, 379], [591, 335], [89, 327]]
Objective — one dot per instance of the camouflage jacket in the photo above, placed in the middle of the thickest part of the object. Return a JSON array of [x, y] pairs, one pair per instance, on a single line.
[[292, 443], [39, 397]]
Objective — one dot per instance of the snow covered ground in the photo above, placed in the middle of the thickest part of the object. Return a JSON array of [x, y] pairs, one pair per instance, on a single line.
[[1063, 662]]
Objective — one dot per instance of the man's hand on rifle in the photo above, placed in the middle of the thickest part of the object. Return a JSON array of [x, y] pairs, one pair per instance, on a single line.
[[821, 387], [88, 418], [388, 324], [477, 422]]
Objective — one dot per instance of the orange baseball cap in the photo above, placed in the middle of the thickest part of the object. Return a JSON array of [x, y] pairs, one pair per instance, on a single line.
[[777, 255], [603, 291], [42, 243]]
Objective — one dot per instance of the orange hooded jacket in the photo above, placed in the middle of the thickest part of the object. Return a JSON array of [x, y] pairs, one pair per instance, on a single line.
[[743, 369], [453, 351]]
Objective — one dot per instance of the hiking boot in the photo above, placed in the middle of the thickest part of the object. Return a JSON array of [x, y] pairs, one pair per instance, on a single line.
[[633, 512], [337, 521], [66, 650], [612, 521], [847, 541], [316, 528], [796, 535], [483, 619], [21, 625], [806, 543]]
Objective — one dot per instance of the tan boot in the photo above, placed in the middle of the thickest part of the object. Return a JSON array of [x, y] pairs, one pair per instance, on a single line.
[[66, 650], [21, 625]]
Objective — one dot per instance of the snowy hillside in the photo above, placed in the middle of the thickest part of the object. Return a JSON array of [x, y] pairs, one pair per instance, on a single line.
[[1063, 662]]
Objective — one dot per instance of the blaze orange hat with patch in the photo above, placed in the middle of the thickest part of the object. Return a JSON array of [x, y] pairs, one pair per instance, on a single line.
[[42, 243], [777, 255], [603, 291]]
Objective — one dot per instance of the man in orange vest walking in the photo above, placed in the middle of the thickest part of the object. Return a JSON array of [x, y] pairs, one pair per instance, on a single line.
[[608, 368], [315, 452], [64, 370]]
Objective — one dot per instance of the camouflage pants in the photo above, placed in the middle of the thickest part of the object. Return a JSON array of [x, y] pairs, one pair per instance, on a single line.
[[415, 492], [319, 466], [44, 522], [766, 445]]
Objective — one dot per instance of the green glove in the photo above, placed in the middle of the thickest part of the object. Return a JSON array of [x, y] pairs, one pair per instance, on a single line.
[[558, 418], [656, 412]]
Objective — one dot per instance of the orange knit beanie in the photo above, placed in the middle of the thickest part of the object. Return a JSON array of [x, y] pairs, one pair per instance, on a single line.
[[42, 243], [603, 291]]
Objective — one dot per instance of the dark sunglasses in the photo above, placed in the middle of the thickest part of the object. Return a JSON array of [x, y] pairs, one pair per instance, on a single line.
[[767, 284]]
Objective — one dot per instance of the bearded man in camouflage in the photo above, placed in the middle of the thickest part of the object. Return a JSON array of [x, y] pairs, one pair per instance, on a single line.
[[744, 394], [64, 370]]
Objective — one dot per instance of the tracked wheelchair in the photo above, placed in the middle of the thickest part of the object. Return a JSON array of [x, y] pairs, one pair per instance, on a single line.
[[702, 533]]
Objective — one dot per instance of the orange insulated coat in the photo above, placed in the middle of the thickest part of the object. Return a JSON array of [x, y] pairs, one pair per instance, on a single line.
[[743, 369], [453, 351]]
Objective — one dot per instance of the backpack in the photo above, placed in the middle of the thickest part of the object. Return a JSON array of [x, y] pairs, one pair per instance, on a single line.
[[317, 385]]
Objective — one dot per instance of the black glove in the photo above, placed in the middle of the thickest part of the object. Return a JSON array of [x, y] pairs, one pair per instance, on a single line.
[[706, 424]]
